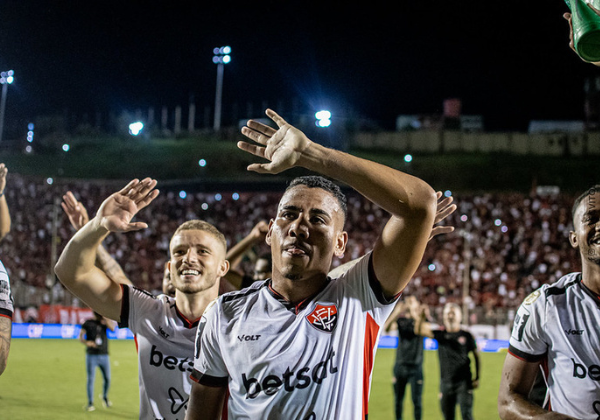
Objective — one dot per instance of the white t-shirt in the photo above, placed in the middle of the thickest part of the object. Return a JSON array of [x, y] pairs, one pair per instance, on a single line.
[[558, 325], [309, 361], [165, 345], [6, 300]]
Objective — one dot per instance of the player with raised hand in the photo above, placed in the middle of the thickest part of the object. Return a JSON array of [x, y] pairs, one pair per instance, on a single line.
[[301, 344], [165, 328]]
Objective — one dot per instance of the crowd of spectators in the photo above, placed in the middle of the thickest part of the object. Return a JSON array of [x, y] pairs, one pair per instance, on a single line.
[[505, 244]]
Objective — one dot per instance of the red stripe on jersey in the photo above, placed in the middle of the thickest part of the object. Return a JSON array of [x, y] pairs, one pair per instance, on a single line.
[[6, 316], [136, 344], [371, 332]]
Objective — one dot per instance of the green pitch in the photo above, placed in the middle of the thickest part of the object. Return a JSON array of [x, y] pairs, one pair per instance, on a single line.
[[45, 380]]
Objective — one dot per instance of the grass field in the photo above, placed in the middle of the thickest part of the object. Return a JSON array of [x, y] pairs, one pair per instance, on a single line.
[[45, 380]]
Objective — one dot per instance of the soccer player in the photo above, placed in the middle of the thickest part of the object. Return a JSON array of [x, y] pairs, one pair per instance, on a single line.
[[454, 347], [93, 336], [301, 345], [557, 327], [6, 301], [408, 368], [164, 328]]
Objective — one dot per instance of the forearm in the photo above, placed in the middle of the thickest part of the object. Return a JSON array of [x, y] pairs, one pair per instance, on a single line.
[[4, 217], [517, 407], [236, 252], [106, 263], [79, 256], [5, 337], [400, 194]]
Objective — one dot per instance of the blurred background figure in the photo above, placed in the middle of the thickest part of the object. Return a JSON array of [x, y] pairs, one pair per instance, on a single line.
[[408, 368], [93, 336], [454, 347]]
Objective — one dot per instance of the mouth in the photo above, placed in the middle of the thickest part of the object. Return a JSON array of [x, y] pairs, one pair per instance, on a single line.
[[189, 272], [296, 250]]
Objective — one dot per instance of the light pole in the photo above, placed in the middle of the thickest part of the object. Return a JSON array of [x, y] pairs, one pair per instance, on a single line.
[[6, 78], [221, 57]]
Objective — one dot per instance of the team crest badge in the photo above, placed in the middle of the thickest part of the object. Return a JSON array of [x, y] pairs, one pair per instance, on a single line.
[[323, 317], [532, 297]]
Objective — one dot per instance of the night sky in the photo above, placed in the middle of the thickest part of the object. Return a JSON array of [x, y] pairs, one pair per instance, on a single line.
[[508, 61]]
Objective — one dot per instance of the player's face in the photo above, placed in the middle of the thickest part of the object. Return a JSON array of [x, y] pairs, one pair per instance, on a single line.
[[586, 225], [452, 316], [306, 233], [262, 270], [197, 261]]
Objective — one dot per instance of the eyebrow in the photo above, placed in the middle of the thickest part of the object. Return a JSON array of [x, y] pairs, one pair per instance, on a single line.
[[311, 211]]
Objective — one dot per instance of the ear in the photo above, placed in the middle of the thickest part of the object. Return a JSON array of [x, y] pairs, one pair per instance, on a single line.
[[270, 231], [340, 244], [223, 268], [573, 239]]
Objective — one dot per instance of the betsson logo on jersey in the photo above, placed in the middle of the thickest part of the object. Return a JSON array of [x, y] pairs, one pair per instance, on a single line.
[[290, 380], [158, 359], [580, 371]]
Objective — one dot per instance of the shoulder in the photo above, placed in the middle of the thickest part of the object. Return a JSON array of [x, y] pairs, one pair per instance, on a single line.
[[241, 297]]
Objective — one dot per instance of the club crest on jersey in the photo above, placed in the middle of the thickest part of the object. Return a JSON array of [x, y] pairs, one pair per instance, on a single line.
[[323, 317]]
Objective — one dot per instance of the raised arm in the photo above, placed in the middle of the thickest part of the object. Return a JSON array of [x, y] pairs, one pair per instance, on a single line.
[[422, 327], [76, 268], [78, 216], [411, 202], [236, 252], [391, 320], [517, 380], [4, 214]]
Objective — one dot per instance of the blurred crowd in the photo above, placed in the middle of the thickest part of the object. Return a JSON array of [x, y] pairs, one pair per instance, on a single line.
[[505, 244]]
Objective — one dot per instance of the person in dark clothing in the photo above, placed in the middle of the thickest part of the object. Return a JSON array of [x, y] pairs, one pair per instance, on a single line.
[[408, 368], [454, 346], [93, 335]]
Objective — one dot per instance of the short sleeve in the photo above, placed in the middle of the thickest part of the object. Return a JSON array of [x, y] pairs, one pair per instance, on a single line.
[[6, 300], [209, 366], [528, 339]]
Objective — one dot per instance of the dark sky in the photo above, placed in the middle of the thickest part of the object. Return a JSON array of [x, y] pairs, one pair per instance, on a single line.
[[508, 60]]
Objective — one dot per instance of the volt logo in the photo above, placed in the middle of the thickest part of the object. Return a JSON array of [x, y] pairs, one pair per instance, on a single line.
[[574, 332], [245, 337]]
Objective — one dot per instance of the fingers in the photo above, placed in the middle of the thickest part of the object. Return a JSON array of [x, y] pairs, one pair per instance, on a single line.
[[441, 230], [276, 118], [3, 170], [251, 148]]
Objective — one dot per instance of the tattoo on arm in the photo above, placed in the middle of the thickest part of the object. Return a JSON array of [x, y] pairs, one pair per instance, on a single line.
[[110, 266]]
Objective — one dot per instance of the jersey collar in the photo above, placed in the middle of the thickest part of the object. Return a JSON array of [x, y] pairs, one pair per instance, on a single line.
[[186, 322], [295, 308]]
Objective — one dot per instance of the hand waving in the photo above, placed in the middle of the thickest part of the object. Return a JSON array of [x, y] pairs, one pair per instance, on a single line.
[[77, 213], [117, 211], [444, 209], [282, 147]]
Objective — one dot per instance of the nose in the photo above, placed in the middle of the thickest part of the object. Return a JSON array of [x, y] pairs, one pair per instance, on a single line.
[[191, 255], [298, 229]]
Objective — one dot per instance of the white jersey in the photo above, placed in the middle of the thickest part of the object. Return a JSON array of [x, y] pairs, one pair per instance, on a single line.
[[309, 361], [558, 325], [165, 345], [6, 301]]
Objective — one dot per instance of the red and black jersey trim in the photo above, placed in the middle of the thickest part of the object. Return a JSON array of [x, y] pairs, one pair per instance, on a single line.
[[376, 286], [531, 358], [294, 307], [212, 381], [124, 316], [6, 313], [186, 322]]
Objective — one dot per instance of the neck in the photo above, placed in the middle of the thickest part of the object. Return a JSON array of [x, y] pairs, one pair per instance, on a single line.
[[295, 291], [193, 305], [590, 276]]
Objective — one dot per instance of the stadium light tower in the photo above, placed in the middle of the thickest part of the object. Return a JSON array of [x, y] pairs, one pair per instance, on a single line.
[[221, 57], [6, 78]]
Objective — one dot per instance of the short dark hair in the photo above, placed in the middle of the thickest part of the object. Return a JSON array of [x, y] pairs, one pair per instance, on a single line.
[[315, 181], [578, 200], [205, 226]]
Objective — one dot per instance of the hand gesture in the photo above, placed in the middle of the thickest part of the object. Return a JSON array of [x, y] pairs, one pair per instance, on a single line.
[[116, 212], [283, 147], [78, 215], [3, 172], [444, 209], [569, 19]]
